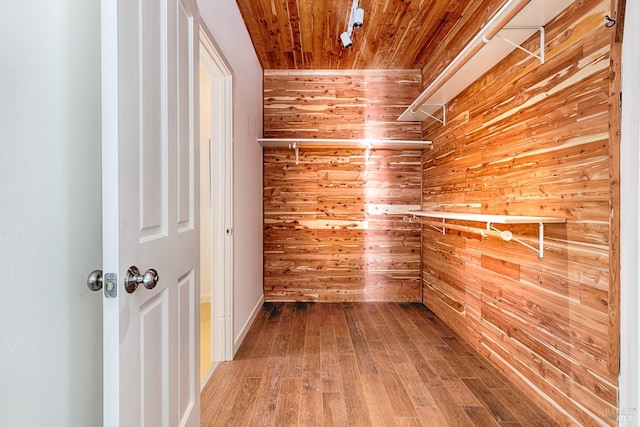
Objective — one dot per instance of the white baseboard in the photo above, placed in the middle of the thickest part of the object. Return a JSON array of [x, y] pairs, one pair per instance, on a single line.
[[245, 328]]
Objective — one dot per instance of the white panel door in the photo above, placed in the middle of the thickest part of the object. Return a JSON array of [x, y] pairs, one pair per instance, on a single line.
[[150, 212]]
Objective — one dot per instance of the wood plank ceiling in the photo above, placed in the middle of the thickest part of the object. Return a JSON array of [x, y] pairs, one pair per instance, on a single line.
[[397, 34]]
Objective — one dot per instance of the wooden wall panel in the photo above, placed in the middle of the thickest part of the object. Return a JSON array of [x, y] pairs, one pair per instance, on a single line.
[[531, 139], [334, 228], [339, 104]]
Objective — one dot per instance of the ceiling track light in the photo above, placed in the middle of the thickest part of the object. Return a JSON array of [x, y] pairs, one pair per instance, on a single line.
[[345, 38], [356, 19]]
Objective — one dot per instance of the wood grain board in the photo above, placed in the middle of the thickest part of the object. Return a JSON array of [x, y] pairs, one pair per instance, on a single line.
[[334, 228], [531, 139], [334, 104]]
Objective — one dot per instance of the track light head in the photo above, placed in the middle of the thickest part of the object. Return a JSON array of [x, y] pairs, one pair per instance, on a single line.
[[346, 40], [358, 18]]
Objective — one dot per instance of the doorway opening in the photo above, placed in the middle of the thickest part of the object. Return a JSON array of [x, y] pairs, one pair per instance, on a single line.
[[216, 209]]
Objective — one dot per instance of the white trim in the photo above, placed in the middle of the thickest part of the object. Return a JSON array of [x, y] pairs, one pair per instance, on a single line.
[[110, 225], [222, 189], [629, 222], [245, 328]]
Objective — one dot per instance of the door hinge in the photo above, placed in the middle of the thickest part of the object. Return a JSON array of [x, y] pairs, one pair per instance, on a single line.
[[110, 285]]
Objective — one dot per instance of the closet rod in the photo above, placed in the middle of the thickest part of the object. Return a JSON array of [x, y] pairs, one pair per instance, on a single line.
[[440, 226], [495, 24]]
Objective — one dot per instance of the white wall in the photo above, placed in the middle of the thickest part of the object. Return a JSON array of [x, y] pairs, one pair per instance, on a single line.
[[630, 216], [224, 21], [50, 225]]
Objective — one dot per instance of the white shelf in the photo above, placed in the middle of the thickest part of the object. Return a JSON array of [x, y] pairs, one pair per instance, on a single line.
[[489, 220], [491, 44], [343, 143], [367, 144], [495, 219]]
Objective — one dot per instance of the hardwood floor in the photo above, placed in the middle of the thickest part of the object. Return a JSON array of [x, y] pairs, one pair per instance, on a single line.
[[360, 364]]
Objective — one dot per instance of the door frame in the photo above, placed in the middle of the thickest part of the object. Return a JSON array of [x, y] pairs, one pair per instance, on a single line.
[[221, 181]]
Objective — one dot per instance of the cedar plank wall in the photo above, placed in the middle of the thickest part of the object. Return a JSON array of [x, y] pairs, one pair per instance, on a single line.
[[333, 224], [339, 104], [530, 139]]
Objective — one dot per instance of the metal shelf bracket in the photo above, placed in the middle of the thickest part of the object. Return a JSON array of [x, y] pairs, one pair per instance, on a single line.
[[540, 57], [444, 112], [367, 152], [442, 230], [295, 147]]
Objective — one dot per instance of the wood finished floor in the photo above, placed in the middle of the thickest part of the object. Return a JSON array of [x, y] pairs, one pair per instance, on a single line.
[[360, 364]]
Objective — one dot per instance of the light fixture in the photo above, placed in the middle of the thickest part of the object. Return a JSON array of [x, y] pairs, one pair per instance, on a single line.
[[346, 40], [356, 19]]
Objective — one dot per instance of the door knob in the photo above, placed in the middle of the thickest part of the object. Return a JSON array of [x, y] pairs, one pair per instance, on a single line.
[[133, 278], [94, 281]]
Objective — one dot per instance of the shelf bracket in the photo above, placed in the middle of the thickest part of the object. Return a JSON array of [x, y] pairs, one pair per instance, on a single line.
[[295, 147], [541, 240], [367, 152], [540, 57], [444, 112], [441, 230]]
